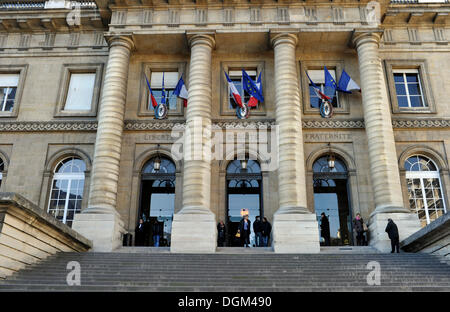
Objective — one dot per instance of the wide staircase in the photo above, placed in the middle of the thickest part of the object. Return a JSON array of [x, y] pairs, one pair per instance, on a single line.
[[146, 269]]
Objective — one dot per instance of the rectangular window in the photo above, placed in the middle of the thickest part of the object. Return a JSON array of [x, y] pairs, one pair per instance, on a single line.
[[408, 88], [8, 89], [170, 82], [80, 92], [318, 77], [236, 78]]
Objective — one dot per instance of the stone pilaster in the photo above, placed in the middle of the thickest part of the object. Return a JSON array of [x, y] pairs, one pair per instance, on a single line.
[[194, 227], [295, 228], [384, 170], [100, 221]]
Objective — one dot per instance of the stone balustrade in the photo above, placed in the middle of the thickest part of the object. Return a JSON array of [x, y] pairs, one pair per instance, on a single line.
[[28, 234]]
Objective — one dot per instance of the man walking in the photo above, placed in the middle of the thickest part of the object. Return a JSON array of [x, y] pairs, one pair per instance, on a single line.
[[392, 231]]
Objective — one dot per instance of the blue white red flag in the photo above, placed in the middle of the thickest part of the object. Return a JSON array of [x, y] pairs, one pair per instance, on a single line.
[[234, 91], [181, 91], [152, 98], [316, 89], [347, 84]]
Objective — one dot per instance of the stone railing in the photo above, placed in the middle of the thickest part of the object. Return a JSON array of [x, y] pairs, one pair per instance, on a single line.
[[29, 234], [433, 239]]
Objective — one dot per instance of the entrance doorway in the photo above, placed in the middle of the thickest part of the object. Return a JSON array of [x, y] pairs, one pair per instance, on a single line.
[[332, 198], [244, 191], [157, 202]]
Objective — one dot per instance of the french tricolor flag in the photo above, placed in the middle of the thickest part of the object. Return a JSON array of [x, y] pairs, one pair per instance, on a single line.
[[319, 93], [234, 91], [181, 91], [347, 84], [154, 103]]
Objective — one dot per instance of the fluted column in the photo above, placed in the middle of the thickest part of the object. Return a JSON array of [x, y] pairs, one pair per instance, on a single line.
[[100, 221], [197, 164], [108, 143], [384, 171], [291, 163], [295, 229], [377, 118], [194, 227]]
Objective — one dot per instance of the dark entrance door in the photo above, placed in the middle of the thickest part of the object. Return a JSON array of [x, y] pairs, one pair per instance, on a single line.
[[244, 189], [331, 198], [157, 202]]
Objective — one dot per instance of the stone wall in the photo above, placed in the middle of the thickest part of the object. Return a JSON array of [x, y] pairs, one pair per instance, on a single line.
[[28, 235]]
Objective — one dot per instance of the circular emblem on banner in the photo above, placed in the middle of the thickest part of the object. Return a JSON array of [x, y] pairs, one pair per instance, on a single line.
[[326, 109], [242, 112], [161, 111]]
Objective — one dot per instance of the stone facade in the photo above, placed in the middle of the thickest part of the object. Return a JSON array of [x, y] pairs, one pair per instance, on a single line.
[[122, 40]]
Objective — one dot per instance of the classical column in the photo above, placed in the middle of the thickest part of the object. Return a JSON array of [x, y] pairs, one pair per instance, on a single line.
[[383, 160], [194, 227], [295, 228], [100, 221]]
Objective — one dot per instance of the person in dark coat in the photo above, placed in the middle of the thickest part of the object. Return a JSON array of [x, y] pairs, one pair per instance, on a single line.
[[358, 227], [267, 228], [157, 232], [258, 228], [221, 234], [244, 229], [140, 233], [392, 231], [325, 229]]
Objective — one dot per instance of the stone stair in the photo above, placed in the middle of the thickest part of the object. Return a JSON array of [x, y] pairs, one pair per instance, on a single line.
[[145, 269]]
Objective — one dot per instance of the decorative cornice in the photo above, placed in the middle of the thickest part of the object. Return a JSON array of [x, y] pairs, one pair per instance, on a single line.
[[333, 124], [147, 125], [37, 126], [421, 123]]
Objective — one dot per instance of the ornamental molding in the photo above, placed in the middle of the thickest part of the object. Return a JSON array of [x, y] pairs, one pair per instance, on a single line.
[[421, 123], [147, 125], [37, 126], [333, 124]]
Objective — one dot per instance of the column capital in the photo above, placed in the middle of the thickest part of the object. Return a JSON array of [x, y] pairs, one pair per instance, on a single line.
[[125, 40], [364, 36], [205, 38], [283, 37]]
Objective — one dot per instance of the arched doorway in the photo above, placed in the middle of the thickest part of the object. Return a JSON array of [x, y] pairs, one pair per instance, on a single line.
[[157, 199], [244, 191], [331, 197]]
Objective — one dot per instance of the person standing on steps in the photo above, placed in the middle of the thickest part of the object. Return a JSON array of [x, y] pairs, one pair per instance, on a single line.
[[140, 233], [392, 231], [358, 227], [157, 232], [221, 234], [325, 228], [244, 229], [267, 228], [257, 228]]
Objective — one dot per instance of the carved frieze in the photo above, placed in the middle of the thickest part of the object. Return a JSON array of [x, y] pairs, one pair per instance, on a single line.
[[141, 125]]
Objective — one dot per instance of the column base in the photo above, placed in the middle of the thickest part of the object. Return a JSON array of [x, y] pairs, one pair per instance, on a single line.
[[194, 233], [407, 224], [295, 233], [104, 230]]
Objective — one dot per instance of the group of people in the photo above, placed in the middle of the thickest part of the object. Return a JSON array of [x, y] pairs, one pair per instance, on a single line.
[[261, 229], [148, 229], [361, 229]]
